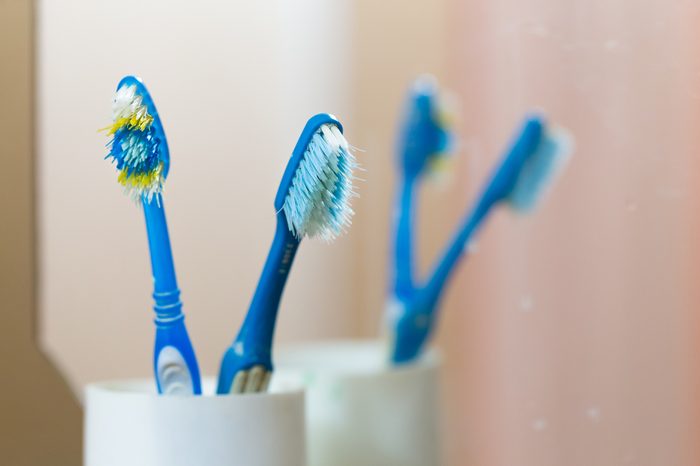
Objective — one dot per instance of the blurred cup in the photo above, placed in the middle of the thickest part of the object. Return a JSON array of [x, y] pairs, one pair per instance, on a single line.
[[128, 423], [360, 411]]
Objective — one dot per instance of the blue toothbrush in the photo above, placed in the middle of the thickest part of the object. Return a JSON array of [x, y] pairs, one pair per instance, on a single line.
[[140, 150], [312, 200], [519, 180]]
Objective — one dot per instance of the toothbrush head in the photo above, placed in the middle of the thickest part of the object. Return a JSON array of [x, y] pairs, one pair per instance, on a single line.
[[138, 146], [316, 187], [540, 167], [426, 137]]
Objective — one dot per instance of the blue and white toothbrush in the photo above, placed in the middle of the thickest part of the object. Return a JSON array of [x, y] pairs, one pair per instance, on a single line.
[[313, 200], [519, 181], [140, 151]]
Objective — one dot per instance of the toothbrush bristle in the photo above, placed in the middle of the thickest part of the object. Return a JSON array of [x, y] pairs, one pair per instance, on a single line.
[[135, 147], [427, 133], [318, 201], [540, 170], [444, 140]]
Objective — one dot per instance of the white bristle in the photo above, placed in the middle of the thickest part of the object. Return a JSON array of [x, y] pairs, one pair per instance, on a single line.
[[127, 103], [133, 147], [318, 202], [541, 169]]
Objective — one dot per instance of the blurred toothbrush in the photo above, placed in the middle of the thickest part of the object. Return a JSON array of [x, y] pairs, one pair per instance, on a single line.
[[140, 151], [534, 158], [313, 200], [425, 139]]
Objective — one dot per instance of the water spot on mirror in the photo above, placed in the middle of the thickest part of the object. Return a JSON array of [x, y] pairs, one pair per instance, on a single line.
[[526, 303], [539, 30], [471, 247], [539, 424], [593, 414], [611, 45]]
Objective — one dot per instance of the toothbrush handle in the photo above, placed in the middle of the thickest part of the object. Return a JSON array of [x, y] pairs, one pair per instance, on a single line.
[[403, 247], [259, 324], [253, 344], [414, 316], [174, 360], [432, 291]]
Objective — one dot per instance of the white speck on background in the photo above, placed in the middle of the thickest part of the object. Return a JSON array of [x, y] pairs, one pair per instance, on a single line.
[[526, 303], [612, 44], [471, 247], [593, 413], [540, 424], [539, 30]]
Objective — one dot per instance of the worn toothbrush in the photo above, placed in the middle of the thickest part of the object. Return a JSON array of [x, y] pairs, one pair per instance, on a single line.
[[313, 200], [424, 140], [519, 181], [140, 151]]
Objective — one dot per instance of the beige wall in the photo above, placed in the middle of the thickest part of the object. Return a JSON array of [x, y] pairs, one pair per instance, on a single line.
[[39, 418]]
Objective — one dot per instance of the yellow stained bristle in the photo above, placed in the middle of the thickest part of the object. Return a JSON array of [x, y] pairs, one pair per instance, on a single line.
[[140, 181], [138, 122], [446, 110], [445, 117], [439, 163]]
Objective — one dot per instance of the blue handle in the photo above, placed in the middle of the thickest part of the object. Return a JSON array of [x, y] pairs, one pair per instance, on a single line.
[[253, 345], [403, 246], [420, 139], [171, 335]]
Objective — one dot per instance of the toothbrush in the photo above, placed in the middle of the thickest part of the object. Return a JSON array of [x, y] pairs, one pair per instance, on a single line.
[[140, 150], [425, 139], [534, 158], [313, 200]]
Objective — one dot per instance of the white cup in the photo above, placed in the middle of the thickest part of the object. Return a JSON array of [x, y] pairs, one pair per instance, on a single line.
[[128, 424], [359, 410]]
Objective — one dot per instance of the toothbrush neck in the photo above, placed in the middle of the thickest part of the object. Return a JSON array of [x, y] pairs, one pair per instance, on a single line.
[[259, 325], [455, 251], [403, 243], [165, 291]]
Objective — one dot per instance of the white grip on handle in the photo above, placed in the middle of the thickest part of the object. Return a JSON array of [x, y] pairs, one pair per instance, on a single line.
[[172, 373]]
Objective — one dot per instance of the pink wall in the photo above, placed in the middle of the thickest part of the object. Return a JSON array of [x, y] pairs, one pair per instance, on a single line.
[[599, 369]]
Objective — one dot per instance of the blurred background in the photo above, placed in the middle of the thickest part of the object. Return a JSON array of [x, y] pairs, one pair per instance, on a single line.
[[569, 336]]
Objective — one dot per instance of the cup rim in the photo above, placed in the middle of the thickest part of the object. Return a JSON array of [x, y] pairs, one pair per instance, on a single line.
[[146, 387], [350, 358]]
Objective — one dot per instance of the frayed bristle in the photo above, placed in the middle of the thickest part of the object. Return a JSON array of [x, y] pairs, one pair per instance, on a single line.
[[442, 139], [318, 201], [135, 147], [444, 115], [540, 170]]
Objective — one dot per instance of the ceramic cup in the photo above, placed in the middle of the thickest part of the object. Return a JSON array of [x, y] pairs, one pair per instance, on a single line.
[[127, 423], [360, 411]]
